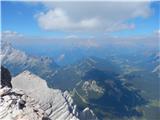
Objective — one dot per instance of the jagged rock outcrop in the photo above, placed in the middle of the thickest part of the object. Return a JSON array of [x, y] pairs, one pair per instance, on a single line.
[[157, 70], [156, 61], [5, 77], [87, 114], [91, 85], [57, 105], [15, 104], [33, 100]]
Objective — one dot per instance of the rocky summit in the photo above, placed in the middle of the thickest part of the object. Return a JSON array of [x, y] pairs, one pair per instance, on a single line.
[[58, 105], [31, 99], [15, 104]]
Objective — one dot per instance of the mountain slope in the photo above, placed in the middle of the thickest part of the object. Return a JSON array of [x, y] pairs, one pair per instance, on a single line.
[[95, 83], [17, 61], [157, 63], [68, 76], [15, 104], [56, 104]]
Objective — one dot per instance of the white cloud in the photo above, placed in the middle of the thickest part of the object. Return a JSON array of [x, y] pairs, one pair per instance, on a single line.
[[89, 44], [157, 32], [58, 19], [151, 41], [10, 35], [67, 42], [92, 16], [72, 37]]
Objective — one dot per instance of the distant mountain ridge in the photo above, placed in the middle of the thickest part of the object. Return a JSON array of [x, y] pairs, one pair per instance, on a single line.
[[17, 61], [156, 62], [76, 72]]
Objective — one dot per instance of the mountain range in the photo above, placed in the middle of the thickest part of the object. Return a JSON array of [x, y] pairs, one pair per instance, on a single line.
[[18, 61], [107, 88], [31, 98]]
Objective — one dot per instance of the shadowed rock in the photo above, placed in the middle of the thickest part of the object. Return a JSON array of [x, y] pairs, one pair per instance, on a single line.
[[5, 78]]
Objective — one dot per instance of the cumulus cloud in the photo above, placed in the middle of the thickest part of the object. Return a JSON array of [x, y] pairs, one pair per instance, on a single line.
[[91, 16], [58, 19]]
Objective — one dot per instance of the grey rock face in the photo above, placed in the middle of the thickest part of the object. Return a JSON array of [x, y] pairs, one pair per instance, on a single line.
[[33, 100], [16, 105], [57, 105], [87, 114], [5, 78]]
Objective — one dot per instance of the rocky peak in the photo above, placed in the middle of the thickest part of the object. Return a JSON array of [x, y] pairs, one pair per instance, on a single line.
[[87, 114], [31, 99], [56, 104], [15, 104], [91, 85]]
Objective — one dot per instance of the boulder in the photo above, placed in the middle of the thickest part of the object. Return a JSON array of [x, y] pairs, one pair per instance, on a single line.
[[5, 78]]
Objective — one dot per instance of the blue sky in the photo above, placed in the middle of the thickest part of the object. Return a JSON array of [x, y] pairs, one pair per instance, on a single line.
[[148, 25], [31, 19]]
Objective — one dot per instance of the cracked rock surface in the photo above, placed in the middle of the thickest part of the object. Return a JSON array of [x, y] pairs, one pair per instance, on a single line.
[[16, 105]]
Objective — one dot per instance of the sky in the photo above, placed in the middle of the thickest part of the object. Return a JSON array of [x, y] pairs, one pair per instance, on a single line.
[[67, 18], [87, 24]]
